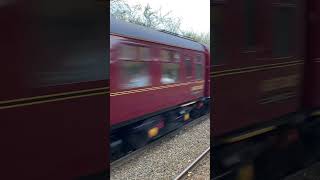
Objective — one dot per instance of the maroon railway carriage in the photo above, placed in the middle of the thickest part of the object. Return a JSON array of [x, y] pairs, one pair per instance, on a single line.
[[265, 85], [157, 78], [53, 96], [312, 80], [257, 76]]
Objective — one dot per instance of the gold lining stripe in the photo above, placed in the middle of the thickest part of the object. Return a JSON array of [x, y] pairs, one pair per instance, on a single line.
[[248, 135], [52, 95], [253, 70], [148, 89], [52, 100], [254, 67], [316, 113], [273, 101], [153, 88]]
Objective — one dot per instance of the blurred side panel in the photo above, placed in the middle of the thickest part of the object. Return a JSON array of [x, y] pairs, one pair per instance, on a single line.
[[258, 76], [312, 85], [54, 89]]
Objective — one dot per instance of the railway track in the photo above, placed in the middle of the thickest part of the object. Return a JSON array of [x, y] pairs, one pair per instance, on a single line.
[[133, 154], [184, 173]]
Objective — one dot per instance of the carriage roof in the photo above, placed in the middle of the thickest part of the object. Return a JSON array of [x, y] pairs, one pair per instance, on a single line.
[[137, 31]]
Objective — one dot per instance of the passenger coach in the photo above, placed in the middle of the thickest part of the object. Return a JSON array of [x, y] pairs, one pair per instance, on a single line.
[[158, 81], [268, 77], [54, 90]]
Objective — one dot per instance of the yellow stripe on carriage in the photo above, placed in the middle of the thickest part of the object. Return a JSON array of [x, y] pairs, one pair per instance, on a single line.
[[253, 70], [53, 95], [248, 135], [315, 114], [153, 88], [51, 100], [255, 67]]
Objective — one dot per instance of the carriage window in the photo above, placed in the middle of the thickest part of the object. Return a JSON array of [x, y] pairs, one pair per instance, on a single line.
[[170, 73], [170, 56], [176, 57], [144, 53], [128, 52], [217, 27], [250, 22], [135, 74], [283, 31], [199, 67], [188, 66], [170, 66], [199, 71], [72, 53], [134, 66], [165, 55]]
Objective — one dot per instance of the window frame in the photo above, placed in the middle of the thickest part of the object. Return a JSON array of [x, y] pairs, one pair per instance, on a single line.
[[185, 66], [219, 48], [202, 63], [170, 50], [166, 61], [137, 59], [292, 44], [250, 29], [138, 55]]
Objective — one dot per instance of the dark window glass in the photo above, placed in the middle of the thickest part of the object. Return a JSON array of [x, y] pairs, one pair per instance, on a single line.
[[199, 67], [69, 45], [283, 31], [199, 71], [217, 28], [188, 65], [250, 22]]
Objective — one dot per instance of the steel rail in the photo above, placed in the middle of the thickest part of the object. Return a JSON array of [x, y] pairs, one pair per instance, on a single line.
[[196, 161]]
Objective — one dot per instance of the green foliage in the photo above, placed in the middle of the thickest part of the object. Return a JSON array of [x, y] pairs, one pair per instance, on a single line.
[[155, 19], [203, 37]]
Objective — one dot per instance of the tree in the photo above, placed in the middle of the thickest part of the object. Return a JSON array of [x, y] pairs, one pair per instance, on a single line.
[[203, 37], [151, 18]]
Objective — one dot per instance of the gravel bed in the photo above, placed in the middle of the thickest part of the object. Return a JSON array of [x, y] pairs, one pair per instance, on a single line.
[[168, 157], [311, 173], [201, 171]]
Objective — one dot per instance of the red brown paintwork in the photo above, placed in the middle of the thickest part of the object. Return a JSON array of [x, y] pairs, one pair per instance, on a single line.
[[312, 89], [124, 107], [45, 138], [238, 82]]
